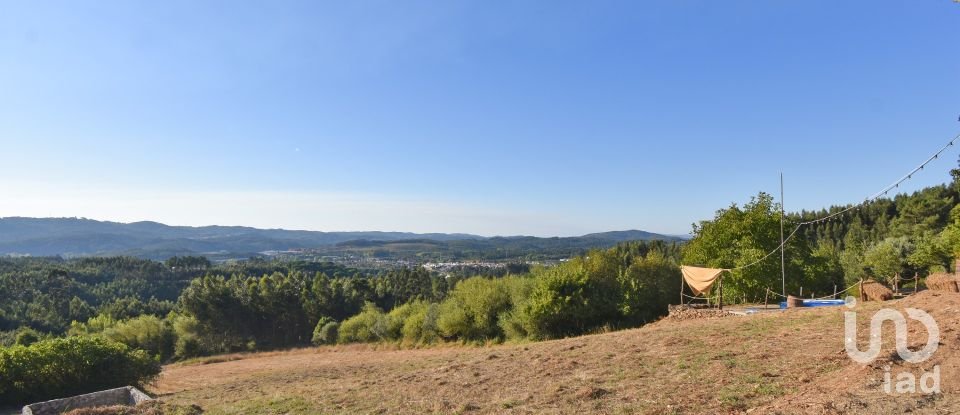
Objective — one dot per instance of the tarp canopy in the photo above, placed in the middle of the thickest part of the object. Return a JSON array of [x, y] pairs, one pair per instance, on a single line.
[[700, 279]]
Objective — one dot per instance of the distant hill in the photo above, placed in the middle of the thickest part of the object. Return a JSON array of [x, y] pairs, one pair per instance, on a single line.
[[86, 237]]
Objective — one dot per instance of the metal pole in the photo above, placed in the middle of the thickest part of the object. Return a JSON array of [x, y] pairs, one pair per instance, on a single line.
[[783, 267]]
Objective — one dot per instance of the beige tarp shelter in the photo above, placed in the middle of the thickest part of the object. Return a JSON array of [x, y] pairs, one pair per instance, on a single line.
[[700, 279]]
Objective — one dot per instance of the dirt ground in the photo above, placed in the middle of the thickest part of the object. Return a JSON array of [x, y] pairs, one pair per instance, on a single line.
[[788, 362]]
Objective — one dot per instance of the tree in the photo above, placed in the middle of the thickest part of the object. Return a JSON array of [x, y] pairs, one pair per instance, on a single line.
[[742, 236], [888, 258]]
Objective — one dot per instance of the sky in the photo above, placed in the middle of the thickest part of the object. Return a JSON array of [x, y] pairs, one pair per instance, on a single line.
[[493, 118]]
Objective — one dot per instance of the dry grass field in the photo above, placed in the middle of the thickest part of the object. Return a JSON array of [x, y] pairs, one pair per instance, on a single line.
[[788, 362]]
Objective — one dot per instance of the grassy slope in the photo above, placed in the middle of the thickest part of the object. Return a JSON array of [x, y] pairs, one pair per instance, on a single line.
[[786, 362]]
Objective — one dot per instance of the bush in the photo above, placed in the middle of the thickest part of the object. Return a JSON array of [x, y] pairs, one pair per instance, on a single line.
[[420, 326], [26, 336], [329, 332], [647, 287], [189, 343], [368, 326], [473, 309], [412, 323], [63, 367], [23, 336], [95, 325], [397, 317], [146, 332], [322, 333], [570, 299]]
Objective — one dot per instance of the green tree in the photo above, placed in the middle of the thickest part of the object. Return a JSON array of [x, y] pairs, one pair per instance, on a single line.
[[888, 258], [740, 236]]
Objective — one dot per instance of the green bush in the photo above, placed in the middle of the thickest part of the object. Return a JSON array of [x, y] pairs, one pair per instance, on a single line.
[[368, 326], [571, 299], [146, 332], [95, 325], [322, 334], [397, 317], [647, 287], [63, 367], [189, 342], [473, 309], [26, 336], [412, 323], [420, 326], [329, 332], [23, 336]]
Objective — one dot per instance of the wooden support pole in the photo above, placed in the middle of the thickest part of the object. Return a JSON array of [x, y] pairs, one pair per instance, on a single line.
[[766, 296], [721, 294], [834, 291], [681, 289]]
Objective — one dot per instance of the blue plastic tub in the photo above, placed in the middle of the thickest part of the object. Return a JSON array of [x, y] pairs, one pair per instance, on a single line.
[[817, 303], [822, 303]]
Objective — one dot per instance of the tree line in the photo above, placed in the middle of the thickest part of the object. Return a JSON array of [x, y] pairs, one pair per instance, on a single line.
[[886, 239]]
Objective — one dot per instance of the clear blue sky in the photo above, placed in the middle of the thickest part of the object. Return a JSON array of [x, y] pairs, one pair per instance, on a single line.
[[545, 118]]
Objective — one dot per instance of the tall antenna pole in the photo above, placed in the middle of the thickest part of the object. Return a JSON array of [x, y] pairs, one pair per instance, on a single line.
[[783, 267]]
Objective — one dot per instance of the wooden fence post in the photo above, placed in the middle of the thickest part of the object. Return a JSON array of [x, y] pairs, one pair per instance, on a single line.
[[681, 289], [721, 294]]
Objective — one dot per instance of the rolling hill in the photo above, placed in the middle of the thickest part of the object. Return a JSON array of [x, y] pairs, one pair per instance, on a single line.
[[86, 237]]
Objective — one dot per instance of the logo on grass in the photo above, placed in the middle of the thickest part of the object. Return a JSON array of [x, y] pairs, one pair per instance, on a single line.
[[906, 381]]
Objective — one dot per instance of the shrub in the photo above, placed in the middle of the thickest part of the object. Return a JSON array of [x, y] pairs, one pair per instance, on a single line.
[[23, 336], [421, 326], [512, 324], [146, 332], [57, 368], [95, 325], [647, 287], [329, 332], [322, 334], [398, 317], [368, 326], [472, 310], [26, 336], [189, 343], [570, 300]]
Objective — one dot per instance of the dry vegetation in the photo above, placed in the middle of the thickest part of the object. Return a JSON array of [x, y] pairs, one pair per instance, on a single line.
[[789, 362], [942, 281], [876, 291], [144, 408]]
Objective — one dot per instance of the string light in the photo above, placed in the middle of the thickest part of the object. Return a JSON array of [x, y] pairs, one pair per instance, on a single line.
[[876, 196]]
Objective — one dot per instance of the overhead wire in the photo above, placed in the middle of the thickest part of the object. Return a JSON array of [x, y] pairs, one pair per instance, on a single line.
[[876, 196]]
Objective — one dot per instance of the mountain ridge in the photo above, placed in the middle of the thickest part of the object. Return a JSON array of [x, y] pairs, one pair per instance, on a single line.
[[89, 237]]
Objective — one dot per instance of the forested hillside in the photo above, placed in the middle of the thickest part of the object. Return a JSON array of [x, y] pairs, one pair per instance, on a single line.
[[75, 237]]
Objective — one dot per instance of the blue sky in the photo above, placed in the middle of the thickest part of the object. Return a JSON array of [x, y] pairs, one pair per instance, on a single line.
[[544, 118]]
